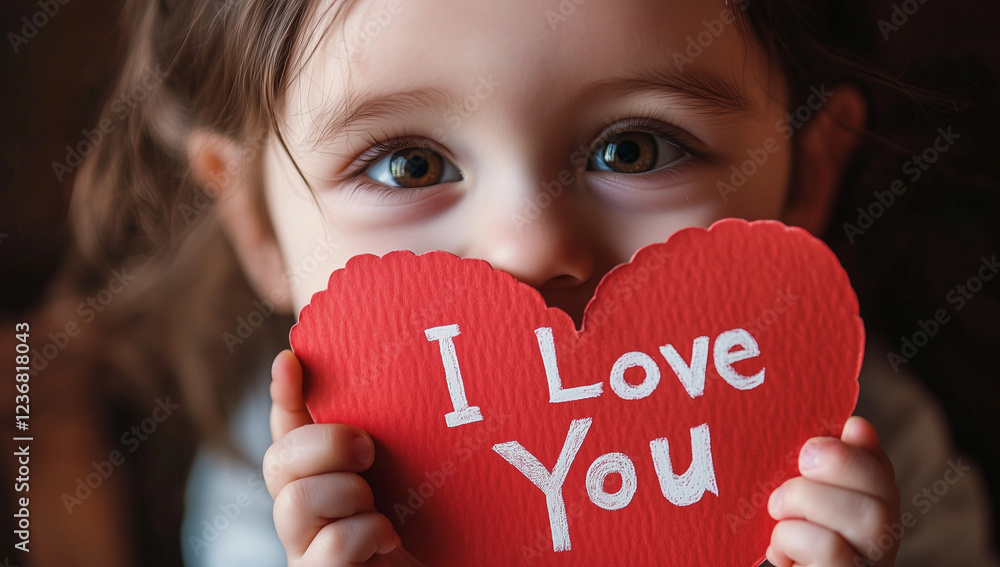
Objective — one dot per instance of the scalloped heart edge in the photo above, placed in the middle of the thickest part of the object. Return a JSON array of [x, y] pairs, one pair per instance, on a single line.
[[719, 225]]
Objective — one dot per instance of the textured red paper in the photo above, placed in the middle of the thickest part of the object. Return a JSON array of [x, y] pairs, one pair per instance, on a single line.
[[454, 500]]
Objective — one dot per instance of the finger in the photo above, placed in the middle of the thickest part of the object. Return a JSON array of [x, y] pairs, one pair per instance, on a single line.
[[859, 432], [304, 506], [858, 518], [777, 557], [352, 540], [316, 449], [797, 542], [399, 557], [288, 409], [853, 467]]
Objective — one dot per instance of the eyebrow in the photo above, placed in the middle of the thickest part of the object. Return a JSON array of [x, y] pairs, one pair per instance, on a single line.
[[697, 89], [397, 105]]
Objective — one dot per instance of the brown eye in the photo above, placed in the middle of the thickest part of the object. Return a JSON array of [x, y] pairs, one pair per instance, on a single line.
[[413, 167], [630, 152], [416, 167], [635, 152]]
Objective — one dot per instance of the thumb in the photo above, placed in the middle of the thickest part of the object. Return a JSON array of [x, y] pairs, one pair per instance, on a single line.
[[859, 432], [288, 410]]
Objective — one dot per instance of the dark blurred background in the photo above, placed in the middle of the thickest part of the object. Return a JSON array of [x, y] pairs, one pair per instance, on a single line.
[[931, 240], [54, 86]]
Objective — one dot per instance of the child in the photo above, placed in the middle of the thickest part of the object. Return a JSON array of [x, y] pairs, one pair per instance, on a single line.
[[552, 141], [655, 134]]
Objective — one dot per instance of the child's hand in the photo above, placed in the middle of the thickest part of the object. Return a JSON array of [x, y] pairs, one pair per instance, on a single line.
[[323, 511], [836, 513]]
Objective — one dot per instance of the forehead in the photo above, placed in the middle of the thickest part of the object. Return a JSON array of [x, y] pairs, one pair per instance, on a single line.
[[541, 52]]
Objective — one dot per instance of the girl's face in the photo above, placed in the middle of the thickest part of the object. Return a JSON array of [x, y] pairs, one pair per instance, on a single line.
[[552, 139]]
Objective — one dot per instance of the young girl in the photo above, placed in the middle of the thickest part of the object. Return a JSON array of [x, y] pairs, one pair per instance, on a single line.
[[551, 139]]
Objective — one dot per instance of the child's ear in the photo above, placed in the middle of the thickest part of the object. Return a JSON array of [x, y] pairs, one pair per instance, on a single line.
[[825, 146], [226, 173]]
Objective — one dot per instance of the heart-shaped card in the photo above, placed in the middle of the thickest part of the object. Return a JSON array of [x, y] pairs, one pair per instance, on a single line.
[[653, 436]]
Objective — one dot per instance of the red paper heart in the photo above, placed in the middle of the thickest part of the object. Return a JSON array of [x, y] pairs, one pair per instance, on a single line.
[[453, 493]]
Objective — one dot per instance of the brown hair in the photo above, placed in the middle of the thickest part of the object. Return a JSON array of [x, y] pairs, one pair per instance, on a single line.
[[223, 67], [220, 66]]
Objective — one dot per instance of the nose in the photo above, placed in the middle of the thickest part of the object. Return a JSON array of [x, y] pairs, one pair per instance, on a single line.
[[536, 235]]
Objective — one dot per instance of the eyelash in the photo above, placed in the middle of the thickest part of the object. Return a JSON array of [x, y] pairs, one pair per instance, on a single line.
[[379, 149], [672, 133], [664, 129]]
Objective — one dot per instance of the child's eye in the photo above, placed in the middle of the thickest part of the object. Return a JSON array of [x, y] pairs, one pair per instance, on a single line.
[[412, 167], [635, 152]]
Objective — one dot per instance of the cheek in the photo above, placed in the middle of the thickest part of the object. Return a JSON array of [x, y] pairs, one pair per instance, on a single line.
[[627, 233], [311, 253], [756, 184], [310, 249], [742, 187], [315, 242]]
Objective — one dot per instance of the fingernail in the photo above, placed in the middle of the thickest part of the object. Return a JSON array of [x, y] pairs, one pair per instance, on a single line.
[[774, 503], [362, 450], [386, 548], [809, 457]]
